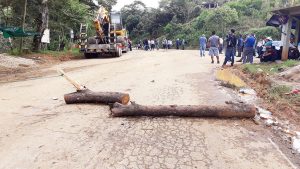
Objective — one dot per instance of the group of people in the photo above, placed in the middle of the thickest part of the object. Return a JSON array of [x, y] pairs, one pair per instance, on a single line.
[[233, 43], [246, 46], [180, 44], [152, 44], [148, 45], [269, 50]]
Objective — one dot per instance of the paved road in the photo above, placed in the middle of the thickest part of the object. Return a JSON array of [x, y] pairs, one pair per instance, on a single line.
[[37, 131]]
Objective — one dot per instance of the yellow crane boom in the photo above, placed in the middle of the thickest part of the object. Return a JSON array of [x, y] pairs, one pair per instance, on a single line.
[[101, 19]]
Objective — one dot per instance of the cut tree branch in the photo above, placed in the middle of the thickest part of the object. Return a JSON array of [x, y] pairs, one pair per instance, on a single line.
[[229, 110]]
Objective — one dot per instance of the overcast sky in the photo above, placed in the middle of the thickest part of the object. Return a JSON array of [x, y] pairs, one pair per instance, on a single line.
[[148, 3]]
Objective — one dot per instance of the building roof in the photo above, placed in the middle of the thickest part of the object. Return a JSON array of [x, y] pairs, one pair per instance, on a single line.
[[276, 21], [295, 10], [279, 14]]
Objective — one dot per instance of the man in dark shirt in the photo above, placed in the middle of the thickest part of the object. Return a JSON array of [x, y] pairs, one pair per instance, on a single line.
[[231, 47], [240, 45]]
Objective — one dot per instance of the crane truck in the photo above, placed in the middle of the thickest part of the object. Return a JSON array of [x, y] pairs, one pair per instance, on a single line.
[[111, 37]]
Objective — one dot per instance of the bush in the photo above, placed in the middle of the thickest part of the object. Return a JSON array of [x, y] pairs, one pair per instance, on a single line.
[[265, 32]]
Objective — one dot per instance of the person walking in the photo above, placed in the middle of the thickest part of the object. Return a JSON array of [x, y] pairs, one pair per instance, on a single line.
[[249, 49], [202, 43], [214, 42], [230, 48]]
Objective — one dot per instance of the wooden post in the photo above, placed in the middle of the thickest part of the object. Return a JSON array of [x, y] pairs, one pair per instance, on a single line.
[[23, 24], [285, 38]]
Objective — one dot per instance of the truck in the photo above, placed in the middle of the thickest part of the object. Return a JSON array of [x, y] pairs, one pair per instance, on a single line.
[[111, 37]]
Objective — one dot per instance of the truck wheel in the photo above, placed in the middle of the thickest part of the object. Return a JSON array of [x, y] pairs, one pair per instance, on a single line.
[[118, 52], [87, 55], [90, 55]]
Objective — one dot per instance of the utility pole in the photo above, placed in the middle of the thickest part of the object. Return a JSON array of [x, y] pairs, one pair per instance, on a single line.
[[23, 24]]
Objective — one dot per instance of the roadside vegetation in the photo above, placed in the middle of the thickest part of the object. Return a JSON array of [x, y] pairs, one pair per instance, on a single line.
[[279, 94], [276, 92], [73, 52], [64, 16], [269, 68]]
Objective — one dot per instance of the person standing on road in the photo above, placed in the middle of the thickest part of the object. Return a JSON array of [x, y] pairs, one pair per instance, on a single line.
[[202, 43], [183, 42], [152, 44], [231, 47], [214, 42], [249, 49], [129, 44], [146, 45], [221, 46], [177, 44], [157, 44], [170, 43], [240, 45]]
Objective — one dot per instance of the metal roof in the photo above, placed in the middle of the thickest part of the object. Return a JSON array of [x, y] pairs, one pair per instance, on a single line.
[[274, 21], [295, 10]]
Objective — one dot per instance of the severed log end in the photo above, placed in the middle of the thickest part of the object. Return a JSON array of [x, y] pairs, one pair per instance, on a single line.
[[125, 98], [232, 110], [88, 96]]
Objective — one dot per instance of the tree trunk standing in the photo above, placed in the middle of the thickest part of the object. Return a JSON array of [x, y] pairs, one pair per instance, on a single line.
[[230, 110], [23, 24], [42, 23]]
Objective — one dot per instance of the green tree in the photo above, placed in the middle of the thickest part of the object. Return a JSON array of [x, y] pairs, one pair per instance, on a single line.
[[221, 19]]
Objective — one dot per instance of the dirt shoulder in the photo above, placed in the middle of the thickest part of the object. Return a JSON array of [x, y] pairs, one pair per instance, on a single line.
[[18, 68], [276, 92]]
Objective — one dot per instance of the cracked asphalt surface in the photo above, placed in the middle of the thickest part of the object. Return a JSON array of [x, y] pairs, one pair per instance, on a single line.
[[37, 131]]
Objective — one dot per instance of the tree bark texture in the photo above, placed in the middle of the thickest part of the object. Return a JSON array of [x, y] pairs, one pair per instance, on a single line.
[[229, 110], [42, 24], [88, 96]]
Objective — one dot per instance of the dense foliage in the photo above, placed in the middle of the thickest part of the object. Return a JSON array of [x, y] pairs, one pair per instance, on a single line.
[[60, 16]]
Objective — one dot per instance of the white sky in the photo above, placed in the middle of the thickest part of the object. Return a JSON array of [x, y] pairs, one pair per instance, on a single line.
[[148, 3]]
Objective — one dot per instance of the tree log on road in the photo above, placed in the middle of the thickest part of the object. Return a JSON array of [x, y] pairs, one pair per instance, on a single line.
[[88, 96], [229, 110]]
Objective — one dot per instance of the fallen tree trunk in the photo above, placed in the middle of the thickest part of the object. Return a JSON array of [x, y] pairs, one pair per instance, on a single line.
[[227, 111], [88, 96]]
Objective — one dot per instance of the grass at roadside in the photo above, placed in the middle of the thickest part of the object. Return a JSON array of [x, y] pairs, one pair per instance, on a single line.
[[74, 52], [278, 93], [269, 68]]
